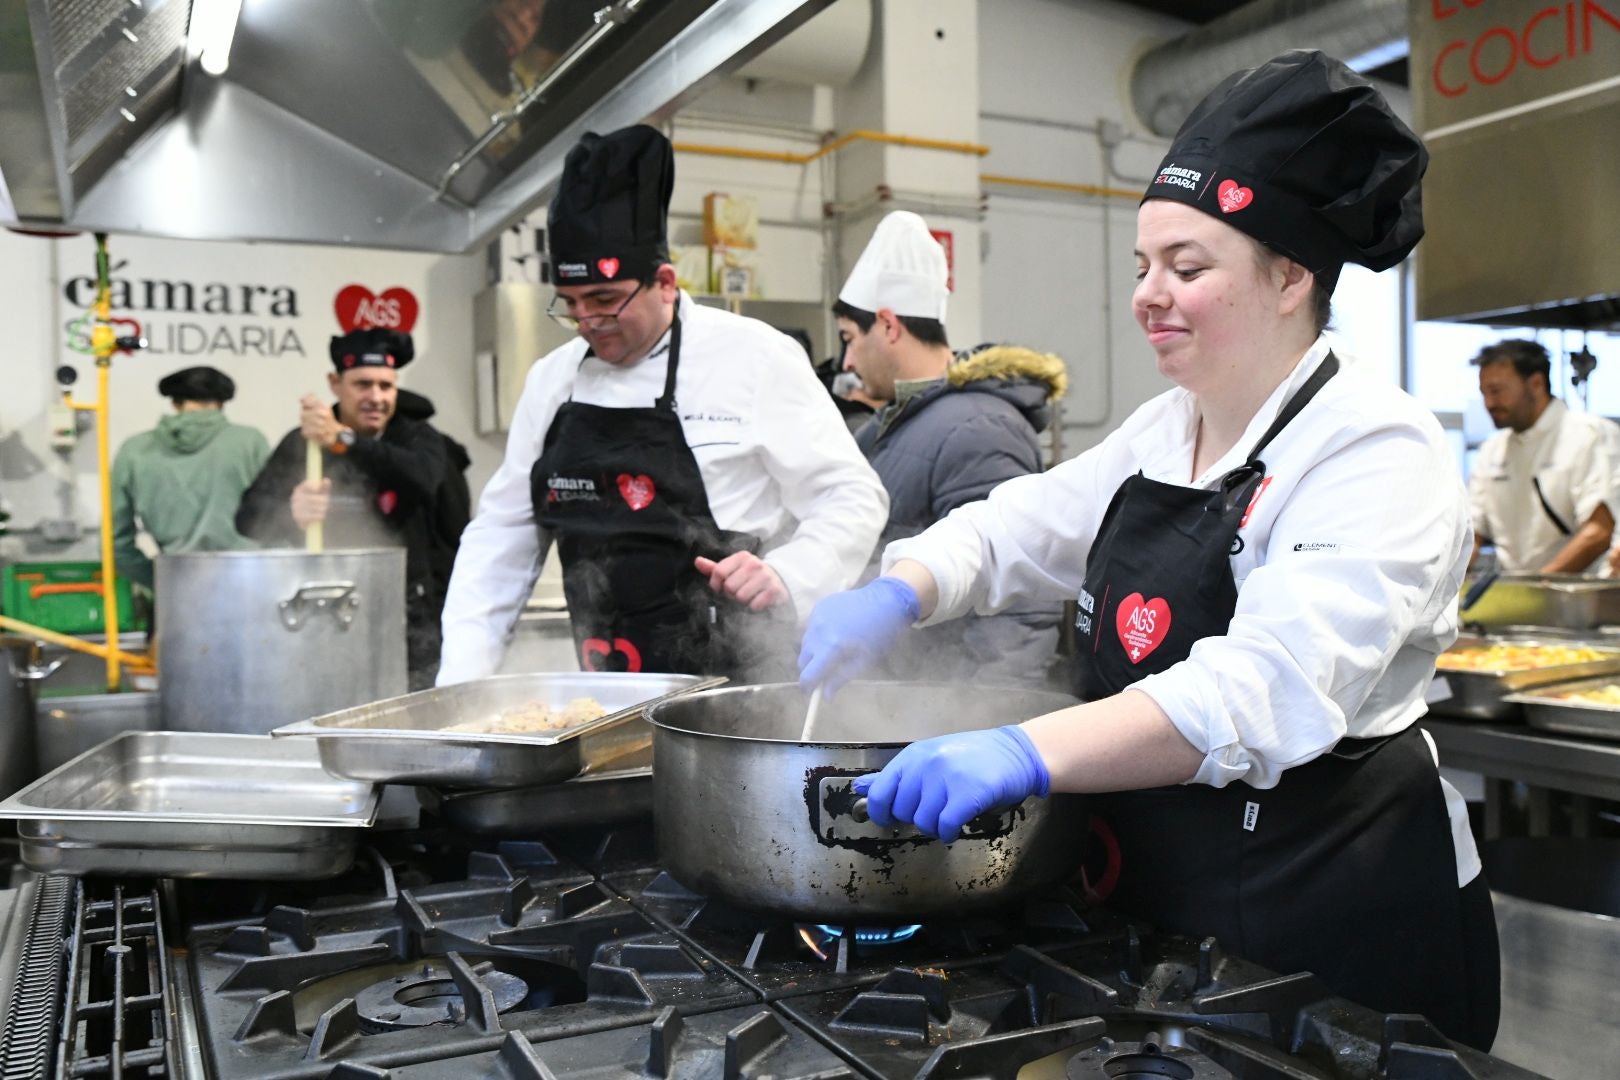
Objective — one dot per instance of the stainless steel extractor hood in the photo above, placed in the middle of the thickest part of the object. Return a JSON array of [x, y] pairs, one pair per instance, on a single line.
[[425, 125], [1520, 107]]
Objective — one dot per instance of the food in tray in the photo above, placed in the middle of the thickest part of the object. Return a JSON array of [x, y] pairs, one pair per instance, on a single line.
[[533, 718], [1603, 695], [1517, 657]]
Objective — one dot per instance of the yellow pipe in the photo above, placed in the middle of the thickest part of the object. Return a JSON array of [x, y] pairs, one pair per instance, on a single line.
[[787, 157], [1059, 185], [133, 661], [914, 141], [783, 157], [103, 343], [109, 579]]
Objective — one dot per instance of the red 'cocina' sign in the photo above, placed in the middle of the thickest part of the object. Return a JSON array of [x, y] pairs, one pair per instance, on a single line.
[[357, 307], [1531, 36]]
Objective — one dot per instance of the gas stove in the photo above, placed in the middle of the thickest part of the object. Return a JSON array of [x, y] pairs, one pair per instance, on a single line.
[[440, 956]]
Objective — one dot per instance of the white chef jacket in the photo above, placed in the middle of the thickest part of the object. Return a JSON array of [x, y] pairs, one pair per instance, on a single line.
[[1354, 551], [775, 457], [1572, 456]]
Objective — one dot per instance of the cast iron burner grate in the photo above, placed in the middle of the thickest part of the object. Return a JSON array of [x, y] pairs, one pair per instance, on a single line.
[[117, 1021]]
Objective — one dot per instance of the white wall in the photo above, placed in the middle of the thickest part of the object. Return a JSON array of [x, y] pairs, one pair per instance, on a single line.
[[273, 357], [1058, 270]]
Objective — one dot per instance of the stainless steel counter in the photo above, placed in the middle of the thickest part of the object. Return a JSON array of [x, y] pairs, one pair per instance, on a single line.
[[1514, 752]]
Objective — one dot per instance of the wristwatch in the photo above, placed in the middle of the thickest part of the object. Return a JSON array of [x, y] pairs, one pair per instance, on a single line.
[[345, 439]]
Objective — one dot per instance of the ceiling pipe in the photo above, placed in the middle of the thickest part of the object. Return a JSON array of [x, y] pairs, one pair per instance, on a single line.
[[1172, 78]]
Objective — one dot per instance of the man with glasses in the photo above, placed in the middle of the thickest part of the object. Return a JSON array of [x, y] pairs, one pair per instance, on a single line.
[[694, 476]]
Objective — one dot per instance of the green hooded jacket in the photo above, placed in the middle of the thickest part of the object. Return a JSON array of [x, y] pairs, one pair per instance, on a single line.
[[183, 481]]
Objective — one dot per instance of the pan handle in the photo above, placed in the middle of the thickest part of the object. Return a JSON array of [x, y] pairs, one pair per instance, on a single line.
[[844, 817]]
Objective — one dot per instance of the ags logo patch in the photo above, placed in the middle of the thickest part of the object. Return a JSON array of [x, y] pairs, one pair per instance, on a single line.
[[1232, 197], [1142, 625]]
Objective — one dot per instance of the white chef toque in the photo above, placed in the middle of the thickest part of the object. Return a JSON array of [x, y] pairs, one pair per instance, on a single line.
[[902, 269]]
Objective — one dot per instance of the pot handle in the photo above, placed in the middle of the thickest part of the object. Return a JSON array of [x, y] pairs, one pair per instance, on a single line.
[[313, 597], [34, 672], [843, 816]]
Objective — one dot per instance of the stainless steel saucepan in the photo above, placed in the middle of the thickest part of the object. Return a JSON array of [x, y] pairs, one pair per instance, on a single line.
[[747, 813]]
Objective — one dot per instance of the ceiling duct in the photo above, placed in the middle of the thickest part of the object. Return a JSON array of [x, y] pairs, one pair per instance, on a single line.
[[412, 124], [1171, 78]]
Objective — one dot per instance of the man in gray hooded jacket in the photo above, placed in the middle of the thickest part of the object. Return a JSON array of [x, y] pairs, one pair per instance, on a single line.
[[951, 429]]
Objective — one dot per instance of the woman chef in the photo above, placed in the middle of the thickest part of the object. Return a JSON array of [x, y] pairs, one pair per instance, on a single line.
[[1266, 560]]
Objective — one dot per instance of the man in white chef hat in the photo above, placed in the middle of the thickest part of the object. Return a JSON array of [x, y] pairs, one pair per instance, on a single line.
[[950, 429]]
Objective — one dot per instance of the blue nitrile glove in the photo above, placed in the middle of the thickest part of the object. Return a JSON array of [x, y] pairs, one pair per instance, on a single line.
[[941, 784], [849, 631]]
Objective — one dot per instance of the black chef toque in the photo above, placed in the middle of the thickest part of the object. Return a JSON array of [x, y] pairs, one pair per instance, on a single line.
[[197, 384], [608, 219], [1305, 156], [372, 346]]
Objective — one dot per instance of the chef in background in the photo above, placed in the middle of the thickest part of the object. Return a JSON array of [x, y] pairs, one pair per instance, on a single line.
[[1546, 487], [1265, 560], [694, 476]]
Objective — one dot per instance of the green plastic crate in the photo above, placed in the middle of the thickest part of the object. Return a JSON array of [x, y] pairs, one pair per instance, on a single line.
[[63, 596]]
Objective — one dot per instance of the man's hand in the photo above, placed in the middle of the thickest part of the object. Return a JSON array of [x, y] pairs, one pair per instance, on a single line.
[[310, 502], [316, 422], [746, 578]]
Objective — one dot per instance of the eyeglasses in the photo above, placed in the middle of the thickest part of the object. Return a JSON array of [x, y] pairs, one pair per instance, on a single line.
[[562, 317]]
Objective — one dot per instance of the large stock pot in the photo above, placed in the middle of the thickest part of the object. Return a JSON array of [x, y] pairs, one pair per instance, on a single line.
[[251, 640], [747, 813]]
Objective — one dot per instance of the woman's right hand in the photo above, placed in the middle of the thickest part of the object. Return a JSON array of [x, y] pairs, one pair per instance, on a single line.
[[850, 631]]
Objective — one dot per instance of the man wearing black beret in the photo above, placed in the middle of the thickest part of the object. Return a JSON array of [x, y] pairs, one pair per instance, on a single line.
[[381, 475], [182, 480]]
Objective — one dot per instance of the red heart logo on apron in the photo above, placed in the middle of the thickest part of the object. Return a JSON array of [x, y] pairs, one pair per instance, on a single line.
[[387, 500], [1142, 625], [357, 306], [1232, 197], [638, 491], [609, 267]]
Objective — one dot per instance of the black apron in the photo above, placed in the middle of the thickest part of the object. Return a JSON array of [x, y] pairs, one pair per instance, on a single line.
[[621, 491], [1345, 868]]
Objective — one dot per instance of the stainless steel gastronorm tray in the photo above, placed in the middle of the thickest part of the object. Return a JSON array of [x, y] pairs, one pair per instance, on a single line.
[[1542, 710], [1563, 600], [402, 740], [1482, 695], [192, 805]]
